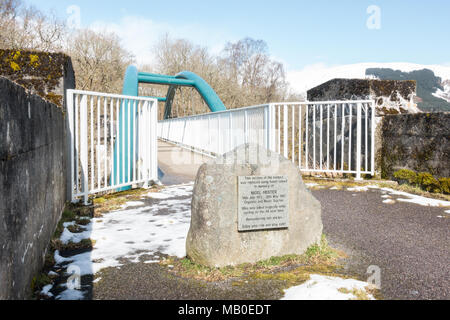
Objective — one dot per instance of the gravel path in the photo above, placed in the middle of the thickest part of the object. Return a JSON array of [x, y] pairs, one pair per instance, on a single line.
[[409, 242]]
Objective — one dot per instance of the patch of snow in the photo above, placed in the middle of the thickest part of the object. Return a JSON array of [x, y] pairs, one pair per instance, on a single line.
[[68, 224], [70, 294], [443, 94], [389, 201], [68, 236], [46, 290], [358, 189], [133, 232], [132, 204], [423, 201], [412, 198], [325, 288], [312, 184], [334, 188], [52, 273], [151, 261]]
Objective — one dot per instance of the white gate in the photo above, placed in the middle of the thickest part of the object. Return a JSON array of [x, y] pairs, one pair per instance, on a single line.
[[331, 136], [113, 142]]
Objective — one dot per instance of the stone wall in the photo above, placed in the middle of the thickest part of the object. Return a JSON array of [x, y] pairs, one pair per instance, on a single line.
[[32, 184], [405, 138], [419, 142], [391, 96]]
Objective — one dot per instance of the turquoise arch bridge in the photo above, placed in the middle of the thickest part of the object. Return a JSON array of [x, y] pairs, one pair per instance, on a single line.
[[131, 88]]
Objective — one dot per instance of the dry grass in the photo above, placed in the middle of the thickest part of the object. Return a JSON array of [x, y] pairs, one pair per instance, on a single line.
[[319, 258], [341, 184]]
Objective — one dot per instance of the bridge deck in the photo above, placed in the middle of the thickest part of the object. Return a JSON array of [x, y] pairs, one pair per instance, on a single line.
[[178, 165]]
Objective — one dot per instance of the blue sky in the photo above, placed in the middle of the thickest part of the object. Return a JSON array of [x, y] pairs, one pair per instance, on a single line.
[[299, 33]]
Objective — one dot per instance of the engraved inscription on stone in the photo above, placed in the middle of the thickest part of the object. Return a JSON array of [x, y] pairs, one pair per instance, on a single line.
[[263, 203]]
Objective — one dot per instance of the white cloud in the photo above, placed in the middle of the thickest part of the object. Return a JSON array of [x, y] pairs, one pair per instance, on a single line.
[[140, 34], [316, 74]]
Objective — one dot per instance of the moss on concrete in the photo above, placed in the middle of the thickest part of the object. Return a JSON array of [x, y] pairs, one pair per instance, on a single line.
[[38, 72]]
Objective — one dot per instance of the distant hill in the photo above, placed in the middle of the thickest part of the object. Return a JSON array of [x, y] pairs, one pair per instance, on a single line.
[[430, 88], [434, 96]]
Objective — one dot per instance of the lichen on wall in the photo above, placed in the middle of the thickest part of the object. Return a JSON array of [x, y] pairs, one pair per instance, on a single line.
[[40, 73], [418, 142]]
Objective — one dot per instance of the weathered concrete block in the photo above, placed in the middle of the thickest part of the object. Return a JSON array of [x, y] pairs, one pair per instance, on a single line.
[[419, 142], [46, 74], [32, 184], [214, 239]]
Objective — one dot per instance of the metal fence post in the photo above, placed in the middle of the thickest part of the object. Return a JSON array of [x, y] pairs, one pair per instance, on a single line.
[[71, 132], [83, 149], [358, 141]]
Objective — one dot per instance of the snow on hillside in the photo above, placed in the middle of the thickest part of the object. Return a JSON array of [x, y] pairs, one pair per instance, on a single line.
[[314, 75], [444, 94]]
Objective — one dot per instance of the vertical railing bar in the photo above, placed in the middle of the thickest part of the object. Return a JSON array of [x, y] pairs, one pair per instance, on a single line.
[[372, 138], [300, 137], [246, 133], [219, 135], [285, 131], [321, 137], [98, 143], [328, 136], [279, 128], [91, 119], [133, 164], [342, 136], [70, 113], [111, 122], [77, 142], [230, 132], [314, 137], [117, 158], [335, 137], [128, 166], [84, 148], [122, 141], [358, 140], [366, 131], [105, 123], [307, 137], [293, 134], [154, 111], [350, 137]]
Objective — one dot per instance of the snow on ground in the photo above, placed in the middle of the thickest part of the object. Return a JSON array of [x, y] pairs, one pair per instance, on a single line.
[[388, 194], [311, 184], [326, 288], [130, 233], [358, 189], [138, 229], [423, 201]]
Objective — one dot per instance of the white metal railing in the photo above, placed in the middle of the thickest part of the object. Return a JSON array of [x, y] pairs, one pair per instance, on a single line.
[[113, 142], [331, 136]]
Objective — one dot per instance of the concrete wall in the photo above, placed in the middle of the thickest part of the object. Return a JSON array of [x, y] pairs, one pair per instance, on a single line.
[[32, 184], [419, 142]]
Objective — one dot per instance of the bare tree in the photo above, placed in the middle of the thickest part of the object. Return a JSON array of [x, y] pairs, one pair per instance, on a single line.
[[25, 27], [99, 60]]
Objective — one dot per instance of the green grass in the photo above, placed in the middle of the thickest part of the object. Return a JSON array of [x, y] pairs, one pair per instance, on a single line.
[[320, 255]]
